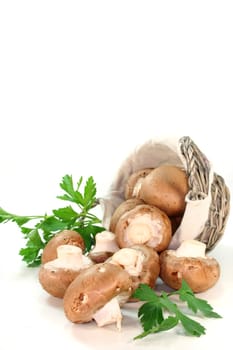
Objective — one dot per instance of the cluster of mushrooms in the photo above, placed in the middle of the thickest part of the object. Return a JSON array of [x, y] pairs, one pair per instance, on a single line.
[[134, 250]]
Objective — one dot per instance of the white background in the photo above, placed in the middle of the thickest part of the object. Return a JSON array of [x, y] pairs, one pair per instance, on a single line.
[[82, 83]]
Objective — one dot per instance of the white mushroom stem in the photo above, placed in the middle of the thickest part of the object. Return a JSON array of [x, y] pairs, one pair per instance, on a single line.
[[68, 257], [108, 314], [131, 259], [143, 229], [191, 248], [69, 254], [105, 242]]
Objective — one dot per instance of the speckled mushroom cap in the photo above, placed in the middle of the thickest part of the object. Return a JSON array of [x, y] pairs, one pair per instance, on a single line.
[[166, 188], [93, 288], [200, 273], [55, 282], [56, 275], [64, 237], [134, 182]]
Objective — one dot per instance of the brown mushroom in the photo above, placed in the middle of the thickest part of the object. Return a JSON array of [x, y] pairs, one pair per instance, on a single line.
[[141, 262], [97, 293], [134, 182], [56, 275], [122, 209], [64, 237], [190, 263], [105, 246], [166, 188], [145, 224]]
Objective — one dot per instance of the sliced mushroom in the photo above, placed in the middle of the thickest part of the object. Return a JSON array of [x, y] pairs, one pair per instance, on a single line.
[[141, 262], [64, 237], [105, 246], [56, 275], [166, 188], [134, 182], [122, 209], [145, 224], [190, 263], [97, 293]]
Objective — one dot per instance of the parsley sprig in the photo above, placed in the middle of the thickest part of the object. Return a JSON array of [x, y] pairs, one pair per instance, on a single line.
[[151, 313], [79, 219]]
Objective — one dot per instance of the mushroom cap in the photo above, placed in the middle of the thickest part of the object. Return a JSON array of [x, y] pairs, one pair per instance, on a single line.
[[105, 246], [100, 257], [122, 209], [201, 273], [56, 281], [134, 182], [144, 220], [147, 262], [64, 237], [166, 188], [56, 275], [150, 267], [93, 288]]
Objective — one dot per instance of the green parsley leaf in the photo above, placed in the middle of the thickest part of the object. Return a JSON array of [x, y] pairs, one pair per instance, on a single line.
[[52, 224], [89, 193], [34, 239], [151, 313], [34, 246], [45, 227], [168, 323], [71, 195], [66, 214], [30, 256], [192, 327], [196, 304], [20, 220], [145, 293]]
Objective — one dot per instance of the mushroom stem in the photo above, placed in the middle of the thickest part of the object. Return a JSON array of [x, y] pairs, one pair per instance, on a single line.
[[70, 254], [191, 248], [109, 313], [138, 233], [68, 257], [105, 242], [130, 259], [142, 230]]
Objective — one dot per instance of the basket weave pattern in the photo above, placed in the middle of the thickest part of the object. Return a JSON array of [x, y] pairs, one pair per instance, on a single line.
[[198, 169]]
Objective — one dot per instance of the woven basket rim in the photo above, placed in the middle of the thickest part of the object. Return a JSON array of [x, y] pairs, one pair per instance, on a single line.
[[198, 172]]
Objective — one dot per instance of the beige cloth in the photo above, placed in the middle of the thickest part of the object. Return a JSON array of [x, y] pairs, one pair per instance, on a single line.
[[151, 155]]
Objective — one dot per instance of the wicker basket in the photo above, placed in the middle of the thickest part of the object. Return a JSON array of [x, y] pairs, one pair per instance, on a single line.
[[198, 169], [204, 185]]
